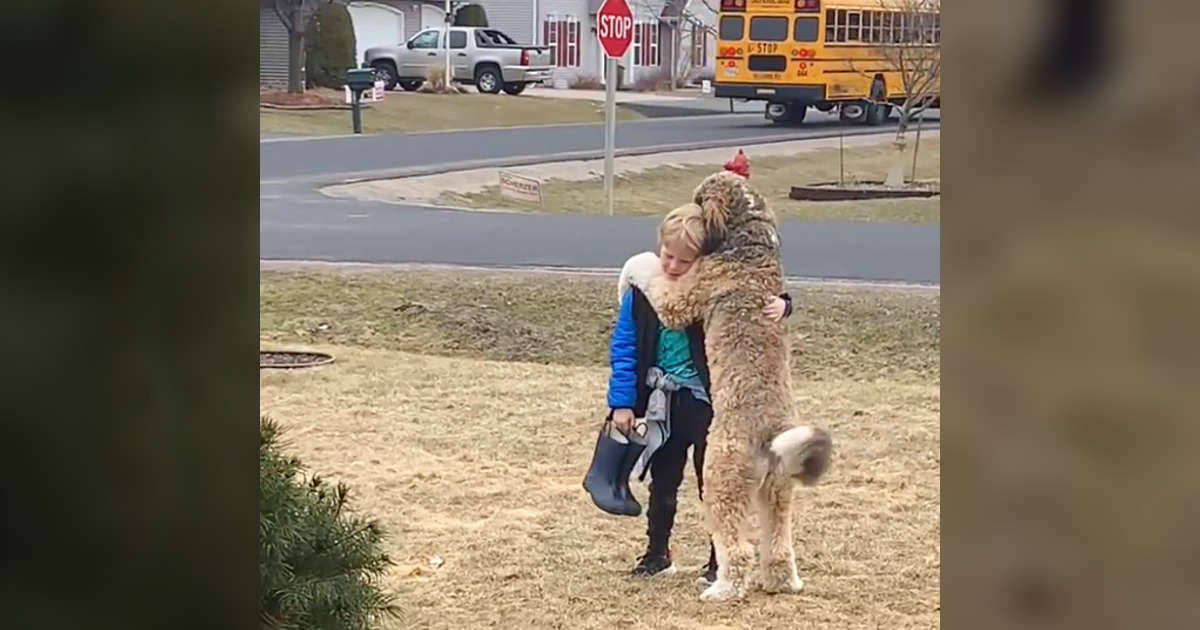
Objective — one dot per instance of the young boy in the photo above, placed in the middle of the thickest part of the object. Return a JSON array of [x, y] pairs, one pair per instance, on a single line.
[[639, 342]]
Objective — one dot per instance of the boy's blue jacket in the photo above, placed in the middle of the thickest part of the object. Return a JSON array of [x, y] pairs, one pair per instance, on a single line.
[[622, 357], [624, 390]]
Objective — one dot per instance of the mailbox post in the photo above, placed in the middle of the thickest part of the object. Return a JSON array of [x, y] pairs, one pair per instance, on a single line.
[[358, 80]]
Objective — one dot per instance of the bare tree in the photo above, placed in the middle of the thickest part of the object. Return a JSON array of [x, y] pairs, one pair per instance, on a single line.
[[909, 41], [295, 15], [679, 61]]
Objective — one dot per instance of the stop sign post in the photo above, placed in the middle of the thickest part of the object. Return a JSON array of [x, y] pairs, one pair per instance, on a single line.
[[614, 29]]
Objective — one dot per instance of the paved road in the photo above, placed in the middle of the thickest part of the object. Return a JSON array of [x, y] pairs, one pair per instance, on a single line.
[[329, 159], [298, 223]]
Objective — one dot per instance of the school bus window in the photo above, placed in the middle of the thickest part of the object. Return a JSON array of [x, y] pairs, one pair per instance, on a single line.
[[854, 22], [731, 27], [886, 36], [835, 25], [805, 29], [872, 25], [768, 28]]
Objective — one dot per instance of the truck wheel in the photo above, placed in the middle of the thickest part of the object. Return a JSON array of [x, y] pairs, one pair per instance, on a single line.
[[487, 79], [386, 71], [515, 89], [411, 85]]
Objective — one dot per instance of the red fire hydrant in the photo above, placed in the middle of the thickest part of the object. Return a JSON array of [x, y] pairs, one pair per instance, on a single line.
[[739, 165]]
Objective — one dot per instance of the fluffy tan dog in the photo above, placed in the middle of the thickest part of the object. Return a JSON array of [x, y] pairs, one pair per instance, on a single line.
[[756, 453]]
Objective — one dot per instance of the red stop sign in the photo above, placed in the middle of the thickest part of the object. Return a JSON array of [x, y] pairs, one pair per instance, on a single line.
[[614, 27]]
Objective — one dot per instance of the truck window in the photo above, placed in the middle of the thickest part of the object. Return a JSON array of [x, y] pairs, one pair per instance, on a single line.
[[458, 39], [427, 39], [498, 37]]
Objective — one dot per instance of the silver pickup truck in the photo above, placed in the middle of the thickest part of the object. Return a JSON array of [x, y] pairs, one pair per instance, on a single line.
[[484, 57]]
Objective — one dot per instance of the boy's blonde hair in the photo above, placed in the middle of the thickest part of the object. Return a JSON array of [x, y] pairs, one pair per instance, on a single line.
[[683, 226]]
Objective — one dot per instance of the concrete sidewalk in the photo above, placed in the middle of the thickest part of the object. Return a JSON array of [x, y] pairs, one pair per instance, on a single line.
[[681, 96]]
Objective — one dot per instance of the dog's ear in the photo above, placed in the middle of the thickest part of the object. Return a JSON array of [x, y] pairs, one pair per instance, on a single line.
[[714, 195], [715, 228]]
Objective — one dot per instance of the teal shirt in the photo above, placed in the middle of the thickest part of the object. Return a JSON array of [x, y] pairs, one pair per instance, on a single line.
[[674, 354]]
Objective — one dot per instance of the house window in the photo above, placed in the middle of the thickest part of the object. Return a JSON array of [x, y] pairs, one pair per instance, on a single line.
[[561, 34], [645, 44]]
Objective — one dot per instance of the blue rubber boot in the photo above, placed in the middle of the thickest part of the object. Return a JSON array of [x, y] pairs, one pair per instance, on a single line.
[[607, 480]]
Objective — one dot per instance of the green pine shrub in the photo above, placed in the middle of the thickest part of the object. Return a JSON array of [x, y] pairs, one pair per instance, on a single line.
[[471, 15], [318, 567], [330, 46]]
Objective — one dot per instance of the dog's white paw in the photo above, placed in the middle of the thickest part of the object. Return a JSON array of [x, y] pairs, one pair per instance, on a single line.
[[719, 591], [639, 271], [793, 585]]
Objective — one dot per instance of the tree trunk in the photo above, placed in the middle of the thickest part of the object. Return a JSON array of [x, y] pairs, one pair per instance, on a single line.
[[295, 63]]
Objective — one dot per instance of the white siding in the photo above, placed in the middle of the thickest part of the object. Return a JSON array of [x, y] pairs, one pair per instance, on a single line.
[[514, 17]]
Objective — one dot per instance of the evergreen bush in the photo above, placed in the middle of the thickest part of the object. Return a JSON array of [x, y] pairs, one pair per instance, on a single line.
[[471, 15], [331, 47], [318, 567]]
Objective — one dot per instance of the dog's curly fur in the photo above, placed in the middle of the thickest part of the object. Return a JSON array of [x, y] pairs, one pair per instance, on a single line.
[[756, 453]]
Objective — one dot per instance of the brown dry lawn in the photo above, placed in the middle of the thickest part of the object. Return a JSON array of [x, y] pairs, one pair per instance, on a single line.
[[463, 407], [657, 190], [412, 111]]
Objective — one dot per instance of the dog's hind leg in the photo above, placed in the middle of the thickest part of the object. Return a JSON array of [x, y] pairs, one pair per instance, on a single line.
[[776, 556], [727, 499]]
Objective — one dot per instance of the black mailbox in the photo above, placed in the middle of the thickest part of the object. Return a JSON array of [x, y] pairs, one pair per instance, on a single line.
[[359, 79]]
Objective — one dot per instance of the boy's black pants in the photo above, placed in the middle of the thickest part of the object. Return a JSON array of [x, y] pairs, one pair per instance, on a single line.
[[690, 419]]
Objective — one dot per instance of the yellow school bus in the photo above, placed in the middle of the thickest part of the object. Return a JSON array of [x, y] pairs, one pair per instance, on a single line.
[[825, 54]]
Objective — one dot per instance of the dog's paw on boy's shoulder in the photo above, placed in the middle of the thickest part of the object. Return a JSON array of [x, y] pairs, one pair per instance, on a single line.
[[639, 271]]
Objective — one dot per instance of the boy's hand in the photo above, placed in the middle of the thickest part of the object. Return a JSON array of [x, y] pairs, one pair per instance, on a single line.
[[623, 419], [775, 309]]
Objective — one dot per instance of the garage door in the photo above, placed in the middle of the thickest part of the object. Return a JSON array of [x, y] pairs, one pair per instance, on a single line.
[[375, 25]]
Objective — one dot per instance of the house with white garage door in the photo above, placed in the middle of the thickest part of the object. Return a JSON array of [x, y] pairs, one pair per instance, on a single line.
[[666, 33]]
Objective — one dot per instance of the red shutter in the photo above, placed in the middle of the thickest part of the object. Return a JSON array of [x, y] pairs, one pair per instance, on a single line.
[[575, 49], [564, 49], [646, 50]]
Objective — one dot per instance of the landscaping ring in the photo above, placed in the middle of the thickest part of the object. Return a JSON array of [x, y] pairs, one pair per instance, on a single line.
[[863, 191], [286, 360]]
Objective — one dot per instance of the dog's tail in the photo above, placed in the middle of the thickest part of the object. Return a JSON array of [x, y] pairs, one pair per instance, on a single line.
[[802, 453]]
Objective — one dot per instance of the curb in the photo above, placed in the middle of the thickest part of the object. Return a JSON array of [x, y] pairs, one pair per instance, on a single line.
[[268, 264], [466, 165]]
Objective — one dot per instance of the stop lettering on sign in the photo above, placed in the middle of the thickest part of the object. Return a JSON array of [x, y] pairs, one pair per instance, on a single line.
[[615, 26]]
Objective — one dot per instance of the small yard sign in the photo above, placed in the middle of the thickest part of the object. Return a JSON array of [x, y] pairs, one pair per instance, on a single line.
[[373, 95], [520, 188]]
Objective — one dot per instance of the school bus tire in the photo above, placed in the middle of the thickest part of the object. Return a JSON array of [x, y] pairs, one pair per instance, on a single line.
[[786, 113], [845, 109]]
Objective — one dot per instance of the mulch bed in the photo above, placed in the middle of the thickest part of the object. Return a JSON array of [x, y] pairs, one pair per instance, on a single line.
[[287, 360], [306, 101], [862, 190]]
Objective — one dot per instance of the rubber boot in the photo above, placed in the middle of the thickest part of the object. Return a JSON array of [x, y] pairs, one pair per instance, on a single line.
[[604, 481], [633, 451]]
